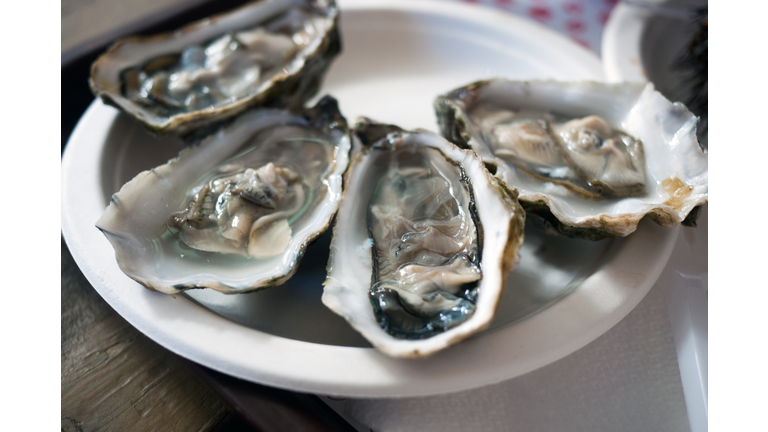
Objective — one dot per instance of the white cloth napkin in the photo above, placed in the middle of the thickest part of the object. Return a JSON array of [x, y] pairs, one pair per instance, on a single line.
[[626, 380]]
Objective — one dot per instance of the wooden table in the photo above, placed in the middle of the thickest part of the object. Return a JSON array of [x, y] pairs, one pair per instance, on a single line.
[[114, 378]]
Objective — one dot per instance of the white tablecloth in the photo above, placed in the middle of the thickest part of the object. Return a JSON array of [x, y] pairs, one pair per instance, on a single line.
[[626, 380]]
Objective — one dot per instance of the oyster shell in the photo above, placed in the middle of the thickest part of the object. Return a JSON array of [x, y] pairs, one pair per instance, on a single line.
[[267, 53], [236, 212], [590, 159], [422, 244]]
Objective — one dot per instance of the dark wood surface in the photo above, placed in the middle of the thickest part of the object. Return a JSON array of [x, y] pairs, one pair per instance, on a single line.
[[114, 378]]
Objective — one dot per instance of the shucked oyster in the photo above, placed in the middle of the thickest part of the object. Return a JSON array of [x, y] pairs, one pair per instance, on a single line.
[[591, 159], [267, 53], [584, 155], [236, 212], [423, 241], [245, 211]]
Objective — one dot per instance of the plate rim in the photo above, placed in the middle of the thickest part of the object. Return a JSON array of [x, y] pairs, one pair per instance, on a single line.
[[178, 324], [621, 41]]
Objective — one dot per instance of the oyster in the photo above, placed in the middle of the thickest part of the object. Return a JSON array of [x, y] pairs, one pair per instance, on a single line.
[[236, 212], [267, 53], [423, 241], [590, 159]]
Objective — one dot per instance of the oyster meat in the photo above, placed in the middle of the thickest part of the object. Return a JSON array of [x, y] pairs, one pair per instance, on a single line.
[[243, 210], [267, 53], [423, 242], [236, 212], [590, 159], [584, 155]]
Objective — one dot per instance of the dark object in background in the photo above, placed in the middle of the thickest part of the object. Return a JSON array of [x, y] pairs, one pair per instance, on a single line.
[[692, 64]]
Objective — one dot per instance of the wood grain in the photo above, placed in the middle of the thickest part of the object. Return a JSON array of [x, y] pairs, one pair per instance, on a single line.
[[114, 378]]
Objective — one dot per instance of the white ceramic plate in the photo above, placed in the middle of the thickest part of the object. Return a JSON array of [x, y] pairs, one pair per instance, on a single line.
[[398, 55]]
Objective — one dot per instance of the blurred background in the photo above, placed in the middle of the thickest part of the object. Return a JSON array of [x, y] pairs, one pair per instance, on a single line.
[[89, 24]]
